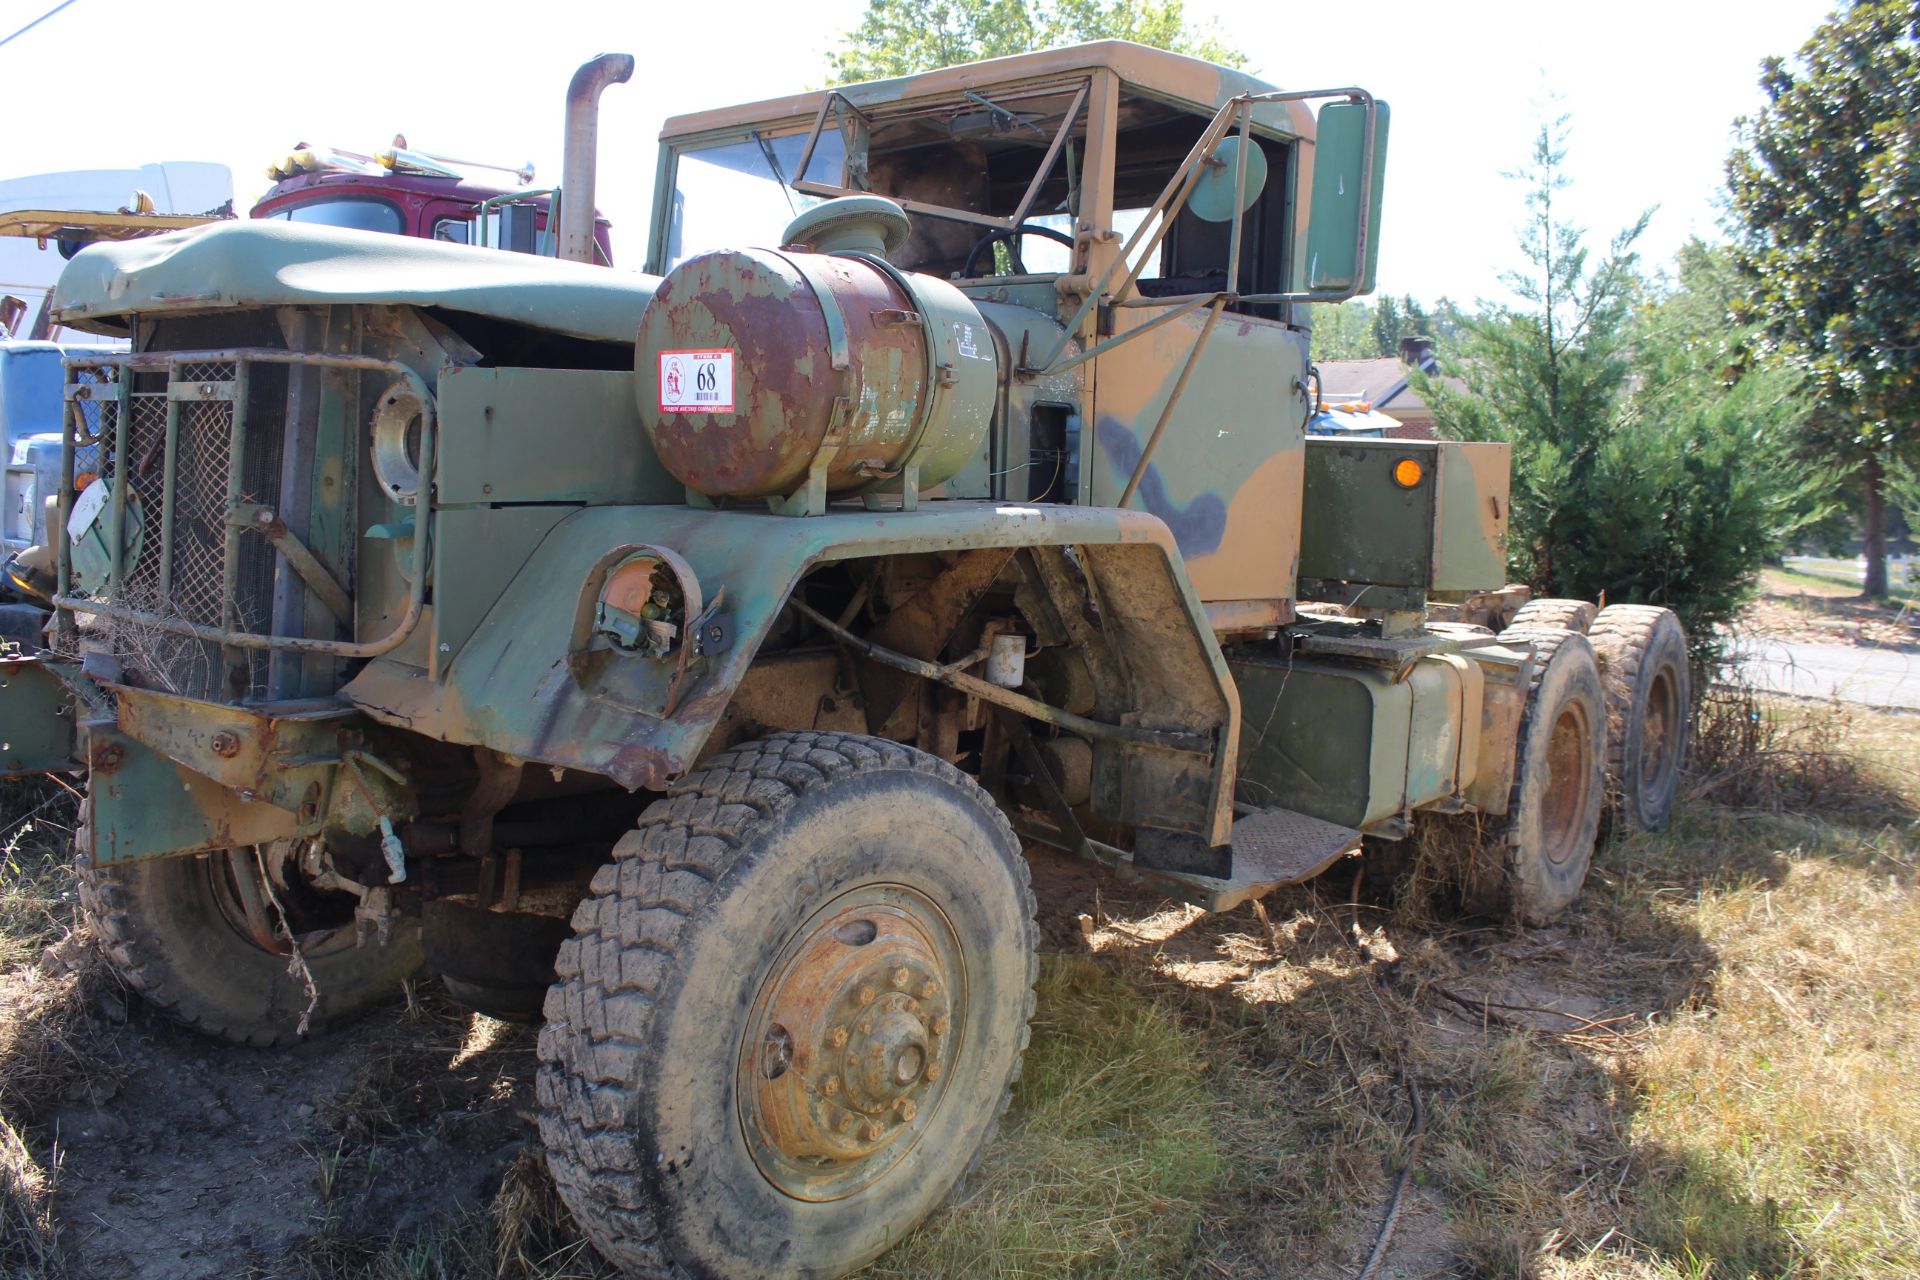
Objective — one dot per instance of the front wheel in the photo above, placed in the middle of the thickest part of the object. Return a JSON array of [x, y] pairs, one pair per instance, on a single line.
[[200, 939], [791, 1012]]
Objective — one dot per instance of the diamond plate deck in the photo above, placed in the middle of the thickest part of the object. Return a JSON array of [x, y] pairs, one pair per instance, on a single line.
[[1271, 848]]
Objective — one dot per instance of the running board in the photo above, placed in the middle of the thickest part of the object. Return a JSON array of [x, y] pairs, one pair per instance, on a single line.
[[1271, 848]]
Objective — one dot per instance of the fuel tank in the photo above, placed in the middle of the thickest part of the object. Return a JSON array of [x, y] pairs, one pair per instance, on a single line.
[[766, 374]]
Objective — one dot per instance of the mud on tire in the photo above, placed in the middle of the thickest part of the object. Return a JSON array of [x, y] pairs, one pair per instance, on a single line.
[[1643, 663], [791, 1012], [1536, 856], [1567, 615]]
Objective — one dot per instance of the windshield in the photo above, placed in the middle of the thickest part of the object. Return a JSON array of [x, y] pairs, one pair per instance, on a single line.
[[736, 194], [357, 213]]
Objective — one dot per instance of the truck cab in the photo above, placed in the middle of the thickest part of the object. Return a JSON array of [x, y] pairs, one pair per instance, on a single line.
[[405, 193], [686, 658]]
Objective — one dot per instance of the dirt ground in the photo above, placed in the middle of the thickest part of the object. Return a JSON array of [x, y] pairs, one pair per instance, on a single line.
[[190, 1160], [1593, 1100], [1809, 609]]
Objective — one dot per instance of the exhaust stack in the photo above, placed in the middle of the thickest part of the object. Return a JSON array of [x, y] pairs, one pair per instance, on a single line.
[[583, 137]]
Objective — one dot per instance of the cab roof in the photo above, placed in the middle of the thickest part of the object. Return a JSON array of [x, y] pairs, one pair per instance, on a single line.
[[1175, 76]]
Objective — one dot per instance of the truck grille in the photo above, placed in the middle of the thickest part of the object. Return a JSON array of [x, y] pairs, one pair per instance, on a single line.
[[179, 569]]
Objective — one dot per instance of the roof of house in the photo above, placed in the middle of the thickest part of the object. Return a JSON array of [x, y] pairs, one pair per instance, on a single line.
[[1384, 382]]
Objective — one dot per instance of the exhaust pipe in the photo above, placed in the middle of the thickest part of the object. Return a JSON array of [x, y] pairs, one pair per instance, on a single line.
[[583, 138]]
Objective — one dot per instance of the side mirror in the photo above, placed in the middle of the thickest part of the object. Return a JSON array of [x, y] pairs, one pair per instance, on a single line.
[[1343, 236]]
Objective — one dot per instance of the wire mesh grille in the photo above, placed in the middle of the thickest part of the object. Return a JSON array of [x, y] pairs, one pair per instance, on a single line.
[[187, 547], [198, 586]]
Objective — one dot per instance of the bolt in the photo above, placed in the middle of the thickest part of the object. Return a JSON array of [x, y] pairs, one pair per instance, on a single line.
[[874, 1131], [928, 989], [837, 1037], [226, 744], [846, 1123], [206, 390], [831, 1086], [901, 977], [908, 1110], [866, 996], [265, 515], [933, 1072], [940, 1025]]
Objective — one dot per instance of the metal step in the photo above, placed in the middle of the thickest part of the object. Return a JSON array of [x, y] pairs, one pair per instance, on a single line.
[[1271, 848]]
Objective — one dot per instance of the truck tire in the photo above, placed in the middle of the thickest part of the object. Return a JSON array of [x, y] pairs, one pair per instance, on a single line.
[[1567, 615], [1539, 851], [174, 932], [1643, 665], [791, 1013]]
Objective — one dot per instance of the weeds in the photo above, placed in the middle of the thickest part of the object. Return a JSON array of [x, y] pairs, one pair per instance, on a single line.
[[1705, 1072]]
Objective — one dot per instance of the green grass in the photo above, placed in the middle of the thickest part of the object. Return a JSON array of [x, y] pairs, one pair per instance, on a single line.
[[1109, 1157], [1827, 585]]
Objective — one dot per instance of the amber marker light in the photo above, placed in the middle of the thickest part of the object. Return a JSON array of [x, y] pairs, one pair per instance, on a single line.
[[1407, 473]]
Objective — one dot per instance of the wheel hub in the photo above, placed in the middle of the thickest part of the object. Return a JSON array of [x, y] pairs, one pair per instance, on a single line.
[[850, 1043]]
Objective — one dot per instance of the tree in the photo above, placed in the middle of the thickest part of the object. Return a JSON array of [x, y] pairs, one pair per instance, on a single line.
[[1826, 202], [1647, 466], [900, 37]]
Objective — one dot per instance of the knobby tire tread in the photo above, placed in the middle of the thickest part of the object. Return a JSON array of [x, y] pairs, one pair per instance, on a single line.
[[596, 1042]]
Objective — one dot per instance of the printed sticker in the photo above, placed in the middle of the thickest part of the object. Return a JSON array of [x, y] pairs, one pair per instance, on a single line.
[[964, 341], [696, 381]]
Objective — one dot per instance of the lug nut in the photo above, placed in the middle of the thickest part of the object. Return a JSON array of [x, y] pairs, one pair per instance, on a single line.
[[941, 1025], [932, 1072], [837, 1037], [866, 995], [928, 988], [874, 1131], [846, 1124], [908, 1110], [866, 1026], [901, 977], [831, 1086]]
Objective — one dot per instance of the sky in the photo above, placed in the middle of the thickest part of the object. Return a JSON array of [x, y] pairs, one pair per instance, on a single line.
[[1653, 89]]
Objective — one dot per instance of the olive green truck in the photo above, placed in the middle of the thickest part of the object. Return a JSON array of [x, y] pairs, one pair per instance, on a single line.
[[683, 658]]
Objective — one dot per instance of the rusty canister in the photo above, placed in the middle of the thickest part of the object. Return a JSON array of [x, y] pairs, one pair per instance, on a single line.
[[756, 369]]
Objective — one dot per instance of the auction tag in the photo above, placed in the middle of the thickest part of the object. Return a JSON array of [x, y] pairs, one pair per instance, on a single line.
[[696, 381], [86, 509]]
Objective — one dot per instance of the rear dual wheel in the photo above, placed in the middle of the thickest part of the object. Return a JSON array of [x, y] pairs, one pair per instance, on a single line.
[[1643, 662], [1536, 856], [791, 1012], [1642, 652]]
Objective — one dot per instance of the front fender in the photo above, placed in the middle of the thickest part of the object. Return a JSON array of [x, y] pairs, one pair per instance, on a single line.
[[512, 688]]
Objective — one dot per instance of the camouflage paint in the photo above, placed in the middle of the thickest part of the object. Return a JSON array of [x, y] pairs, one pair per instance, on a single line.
[[1227, 475]]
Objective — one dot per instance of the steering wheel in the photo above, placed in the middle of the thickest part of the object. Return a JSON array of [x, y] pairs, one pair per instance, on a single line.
[[999, 234]]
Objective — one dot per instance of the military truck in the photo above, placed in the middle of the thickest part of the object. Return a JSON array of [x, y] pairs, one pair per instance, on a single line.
[[683, 659]]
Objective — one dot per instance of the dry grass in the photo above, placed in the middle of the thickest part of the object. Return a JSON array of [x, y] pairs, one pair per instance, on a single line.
[[50, 989], [1706, 1072]]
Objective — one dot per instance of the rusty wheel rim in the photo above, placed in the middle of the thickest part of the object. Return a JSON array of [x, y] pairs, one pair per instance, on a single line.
[[1568, 793], [317, 918], [850, 1042], [1659, 731]]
